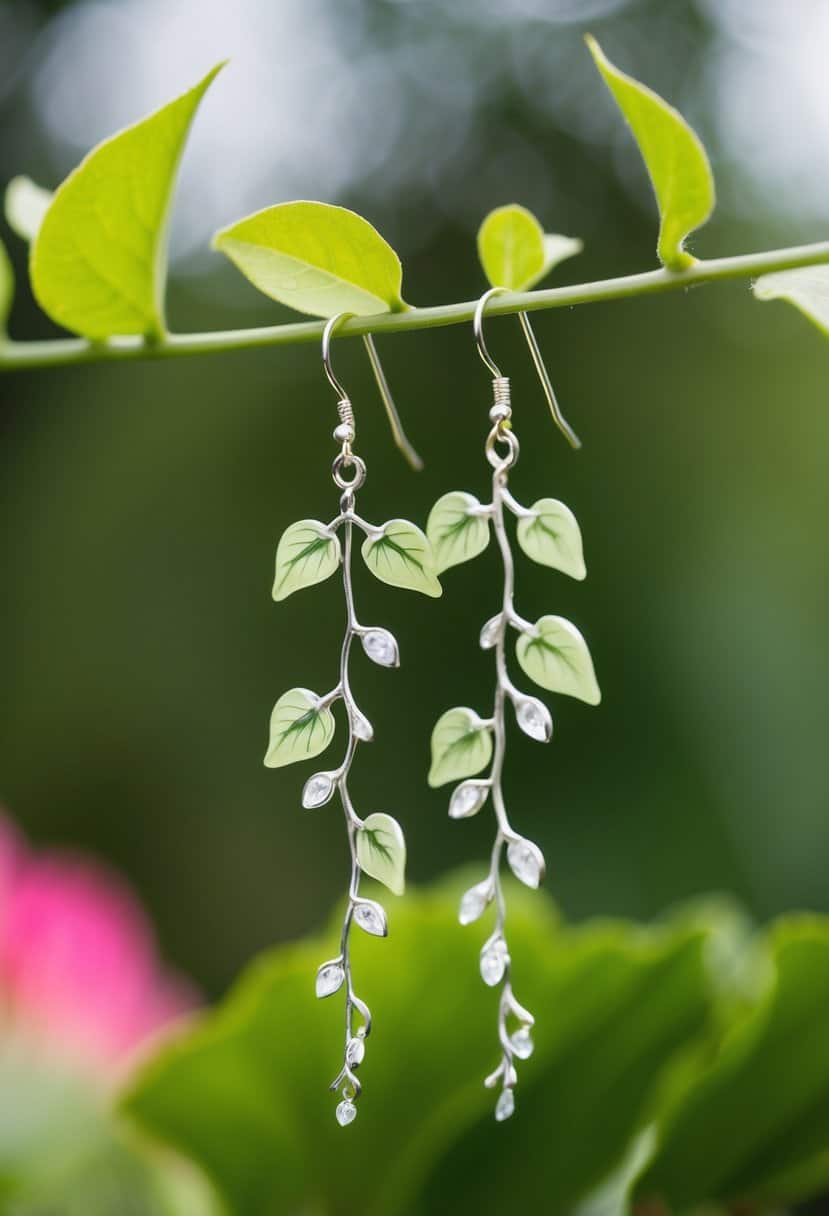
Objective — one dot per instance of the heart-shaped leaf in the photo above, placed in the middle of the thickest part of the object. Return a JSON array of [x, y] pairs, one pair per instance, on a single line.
[[316, 258], [99, 259], [6, 288], [402, 556], [457, 528], [26, 204], [381, 851], [300, 728], [307, 553], [807, 289], [555, 655], [674, 157], [552, 537], [514, 250], [461, 746]]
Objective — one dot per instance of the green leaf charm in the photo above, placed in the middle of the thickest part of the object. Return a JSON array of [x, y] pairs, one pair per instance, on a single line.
[[402, 556], [307, 553], [807, 289], [316, 258], [457, 529], [381, 851], [300, 729], [26, 203], [514, 250], [552, 537], [555, 655], [6, 288], [461, 746], [99, 259], [674, 157]]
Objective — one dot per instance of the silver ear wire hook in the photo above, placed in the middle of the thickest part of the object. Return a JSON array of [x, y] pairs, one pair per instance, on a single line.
[[400, 438], [538, 362]]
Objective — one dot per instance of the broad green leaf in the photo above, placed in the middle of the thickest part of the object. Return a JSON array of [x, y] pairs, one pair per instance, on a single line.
[[6, 288], [457, 529], [307, 553], [555, 655], [402, 556], [552, 537], [316, 258], [99, 260], [807, 289], [381, 851], [245, 1093], [300, 729], [674, 157], [26, 204], [461, 746], [514, 250], [751, 1124]]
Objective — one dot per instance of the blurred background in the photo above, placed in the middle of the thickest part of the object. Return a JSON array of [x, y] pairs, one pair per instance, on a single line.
[[140, 652]]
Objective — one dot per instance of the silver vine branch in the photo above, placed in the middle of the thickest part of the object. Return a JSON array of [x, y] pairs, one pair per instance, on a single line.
[[17, 355]]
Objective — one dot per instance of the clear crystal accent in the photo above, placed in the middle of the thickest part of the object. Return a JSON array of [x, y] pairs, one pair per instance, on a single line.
[[346, 1112], [494, 959], [522, 1043], [371, 917], [489, 633], [505, 1106], [468, 799], [362, 727], [534, 719], [474, 902], [355, 1052], [526, 862], [381, 647], [317, 790], [329, 978]]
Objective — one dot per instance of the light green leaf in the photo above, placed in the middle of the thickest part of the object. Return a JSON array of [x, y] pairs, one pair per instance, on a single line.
[[26, 204], [551, 536], [461, 746], [307, 553], [514, 250], [555, 655], [402, 556], [674, 157], [316, 258], [6, 288], [300, 729], [807, 289], [99, 261], [381, 851], [457, 529]]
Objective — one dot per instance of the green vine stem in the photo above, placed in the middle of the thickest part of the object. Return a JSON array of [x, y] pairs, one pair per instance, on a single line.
[[62, 352]]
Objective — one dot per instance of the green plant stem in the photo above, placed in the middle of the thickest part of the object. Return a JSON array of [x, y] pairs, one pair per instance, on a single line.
[[66, 351]]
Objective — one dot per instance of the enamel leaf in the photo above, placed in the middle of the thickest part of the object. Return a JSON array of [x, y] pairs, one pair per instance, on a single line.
[[514, 250], [555, 655], [674, 157], [551, 537], [456, 529], [402, 556], [807, 289], [307, 553], [461, 746], [300, 729], [316, 258], [99, 259], [381, 851], [6, 288], [26, 203]]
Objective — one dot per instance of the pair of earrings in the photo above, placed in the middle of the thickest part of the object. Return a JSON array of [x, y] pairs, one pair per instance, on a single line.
[[551, 651]]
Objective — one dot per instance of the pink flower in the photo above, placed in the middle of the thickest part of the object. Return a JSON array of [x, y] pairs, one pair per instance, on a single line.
[[79, 970]]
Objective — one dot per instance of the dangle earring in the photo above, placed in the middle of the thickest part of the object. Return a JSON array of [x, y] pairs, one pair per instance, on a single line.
[[302, 723], [551, 652]]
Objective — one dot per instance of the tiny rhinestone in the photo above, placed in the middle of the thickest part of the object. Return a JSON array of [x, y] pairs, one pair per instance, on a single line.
[[318, 789], [346, 1112], [526, 862], [534, 720], [355, 1052], [505, 1106], [522, 1043], [494, 958], [329, 978], [381, 647]]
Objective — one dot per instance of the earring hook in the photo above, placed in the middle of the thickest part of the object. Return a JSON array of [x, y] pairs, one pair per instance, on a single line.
[[400, 438], [537, 358]]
